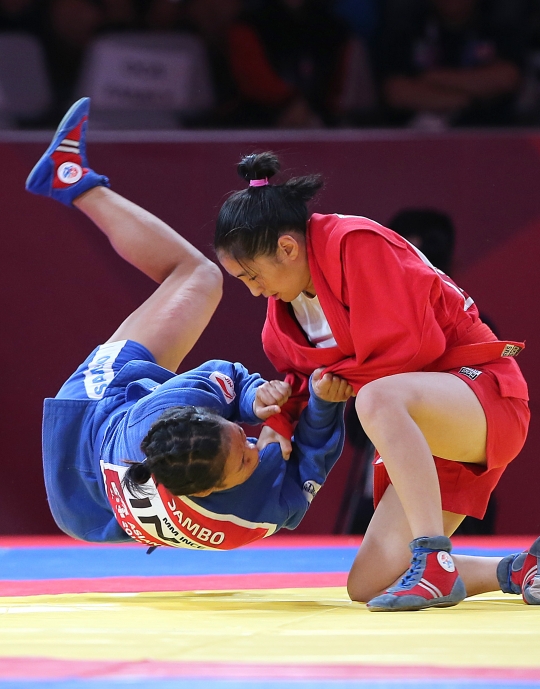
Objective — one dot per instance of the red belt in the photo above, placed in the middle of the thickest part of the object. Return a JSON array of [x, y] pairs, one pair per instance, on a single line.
[[475, 354]]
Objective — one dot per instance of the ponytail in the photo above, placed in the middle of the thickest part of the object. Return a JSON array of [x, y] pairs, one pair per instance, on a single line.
[[251, 221]]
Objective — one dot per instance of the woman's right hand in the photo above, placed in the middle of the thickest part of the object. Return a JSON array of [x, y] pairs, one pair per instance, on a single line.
[[330, 388], [268, 435]]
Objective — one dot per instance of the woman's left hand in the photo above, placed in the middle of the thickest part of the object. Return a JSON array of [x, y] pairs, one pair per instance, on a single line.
[[268, 436], [270, 397]]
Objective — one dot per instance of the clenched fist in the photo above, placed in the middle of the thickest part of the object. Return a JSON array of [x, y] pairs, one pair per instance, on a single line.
[[330, 388], [270, 397]]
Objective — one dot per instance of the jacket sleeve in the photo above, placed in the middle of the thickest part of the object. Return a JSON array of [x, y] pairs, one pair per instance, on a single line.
[[245, 385], [318, 438], [317, 445]]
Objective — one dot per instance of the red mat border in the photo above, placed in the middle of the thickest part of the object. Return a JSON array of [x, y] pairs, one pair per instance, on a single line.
[[207, 582], [32, 668]]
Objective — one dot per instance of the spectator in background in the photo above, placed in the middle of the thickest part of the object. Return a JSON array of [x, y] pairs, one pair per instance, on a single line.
[[361, 16], [451, 64], [358, 100], [286, 59], [211, 21], [69, 27], [528, 11], [429, 230]]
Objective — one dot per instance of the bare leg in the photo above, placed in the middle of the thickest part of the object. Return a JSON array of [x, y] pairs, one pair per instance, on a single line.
[[478, 573], [409, 418], [384, 554], [173, 318]]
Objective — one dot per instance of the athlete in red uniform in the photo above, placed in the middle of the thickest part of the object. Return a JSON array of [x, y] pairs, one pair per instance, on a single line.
[[432, 380]]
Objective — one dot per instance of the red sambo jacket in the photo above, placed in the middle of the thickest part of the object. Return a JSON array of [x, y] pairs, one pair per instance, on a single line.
[[389, 309]]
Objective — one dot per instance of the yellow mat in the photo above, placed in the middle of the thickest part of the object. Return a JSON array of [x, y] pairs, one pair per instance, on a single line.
[[315, 626]]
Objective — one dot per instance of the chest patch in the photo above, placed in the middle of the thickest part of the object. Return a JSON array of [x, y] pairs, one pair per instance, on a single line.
[[226, 385]]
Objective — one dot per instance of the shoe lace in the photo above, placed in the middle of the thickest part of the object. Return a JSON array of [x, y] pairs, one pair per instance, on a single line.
[[414, 569]]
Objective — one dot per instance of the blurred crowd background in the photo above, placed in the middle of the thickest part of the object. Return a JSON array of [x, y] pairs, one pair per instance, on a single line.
[[428, 64]]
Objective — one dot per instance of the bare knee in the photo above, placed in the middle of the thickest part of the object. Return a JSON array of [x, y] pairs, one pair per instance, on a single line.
[[207, 279], [360, 584], [214, 277], [378, 401], [368, 575], [356, 591]]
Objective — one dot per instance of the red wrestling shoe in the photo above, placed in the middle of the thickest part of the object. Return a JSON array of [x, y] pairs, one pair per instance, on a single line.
[[519, 573], [432, 580], [62, 172]]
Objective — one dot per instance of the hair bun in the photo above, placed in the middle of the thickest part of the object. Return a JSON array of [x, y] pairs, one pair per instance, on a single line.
[[258, 166]]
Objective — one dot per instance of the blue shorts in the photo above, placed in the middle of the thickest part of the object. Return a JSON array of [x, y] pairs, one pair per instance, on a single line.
[[72, 423], [90, 380]]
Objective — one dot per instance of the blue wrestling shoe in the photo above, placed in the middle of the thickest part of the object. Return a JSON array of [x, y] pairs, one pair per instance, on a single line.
[[432, 580], [519, 573], [62, 172]]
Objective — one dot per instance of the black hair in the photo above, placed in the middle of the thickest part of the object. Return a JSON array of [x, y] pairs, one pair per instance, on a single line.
[[185, 451], [251, 221], [433, 228]]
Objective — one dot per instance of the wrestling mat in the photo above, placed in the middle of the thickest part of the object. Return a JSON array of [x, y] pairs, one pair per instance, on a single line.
[[75, 616]]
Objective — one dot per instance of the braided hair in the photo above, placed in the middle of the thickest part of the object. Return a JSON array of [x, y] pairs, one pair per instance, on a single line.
[[185, 451], [251, 221]]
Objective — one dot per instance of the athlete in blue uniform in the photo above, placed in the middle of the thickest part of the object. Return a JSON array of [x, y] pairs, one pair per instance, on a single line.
[[133, 451]]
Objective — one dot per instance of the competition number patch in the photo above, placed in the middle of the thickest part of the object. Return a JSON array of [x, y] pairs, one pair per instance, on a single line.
[[161, 518]]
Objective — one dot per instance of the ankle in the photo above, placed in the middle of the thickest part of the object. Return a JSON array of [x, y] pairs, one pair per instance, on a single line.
[[431, 543]]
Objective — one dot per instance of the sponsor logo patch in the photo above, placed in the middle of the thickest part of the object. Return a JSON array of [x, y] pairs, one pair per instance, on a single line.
[[511, 350], [69, 173], [445, 561], [471, 373], [100, 370], [311, 488], [226, 385]]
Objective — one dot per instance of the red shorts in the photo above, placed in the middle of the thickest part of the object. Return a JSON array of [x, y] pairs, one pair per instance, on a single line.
[[465, 488]]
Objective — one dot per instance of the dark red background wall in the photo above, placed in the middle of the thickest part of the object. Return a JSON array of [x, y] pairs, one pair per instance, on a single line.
[[64, 290]]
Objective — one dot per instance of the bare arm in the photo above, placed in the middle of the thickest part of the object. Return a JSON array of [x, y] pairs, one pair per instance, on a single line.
[[498, 79], [444, 90], [414, 93]]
